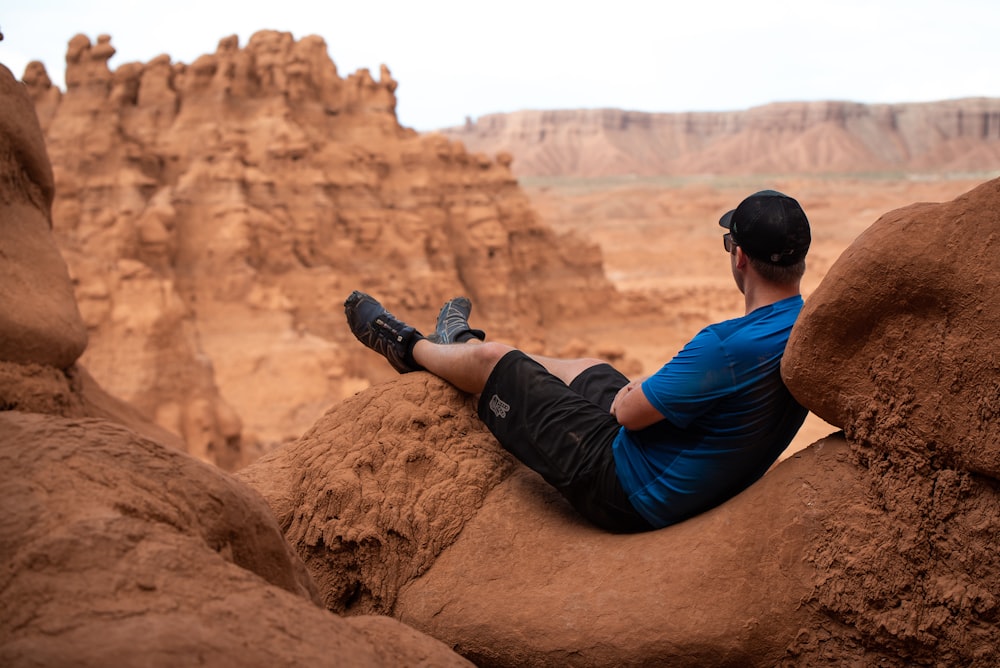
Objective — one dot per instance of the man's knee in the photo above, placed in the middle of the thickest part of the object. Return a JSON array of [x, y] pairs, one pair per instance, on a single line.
[[490, 352], [585, 363], [568, 370]]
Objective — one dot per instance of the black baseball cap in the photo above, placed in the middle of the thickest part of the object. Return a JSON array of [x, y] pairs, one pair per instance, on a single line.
[[771, 227]]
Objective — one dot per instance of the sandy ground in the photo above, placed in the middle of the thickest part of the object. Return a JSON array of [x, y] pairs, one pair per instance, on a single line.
[[660, 237]]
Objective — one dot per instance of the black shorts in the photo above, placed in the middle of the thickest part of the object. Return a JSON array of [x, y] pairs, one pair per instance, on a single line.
[[565, 433]]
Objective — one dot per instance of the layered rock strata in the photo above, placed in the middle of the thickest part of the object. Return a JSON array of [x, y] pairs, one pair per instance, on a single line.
[[783, 138]]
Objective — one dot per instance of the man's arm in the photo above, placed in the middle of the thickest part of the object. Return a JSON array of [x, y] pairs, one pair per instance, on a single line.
[[632, 409]]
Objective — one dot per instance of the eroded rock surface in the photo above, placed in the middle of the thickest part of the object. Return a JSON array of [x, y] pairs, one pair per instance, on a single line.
[[39, 321], [383, 482], [400, 502], [898, 344], [42, 334], [119, 551]]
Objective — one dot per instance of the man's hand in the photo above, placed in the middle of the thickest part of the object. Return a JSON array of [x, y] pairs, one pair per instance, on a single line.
[[621, 393], [632, 409]]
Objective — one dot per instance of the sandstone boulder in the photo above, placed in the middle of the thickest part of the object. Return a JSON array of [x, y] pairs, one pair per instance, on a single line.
[[385, 481], [119, 551], [400, 503], [39, 322], [42, 333], [898, 344], [528, 583]]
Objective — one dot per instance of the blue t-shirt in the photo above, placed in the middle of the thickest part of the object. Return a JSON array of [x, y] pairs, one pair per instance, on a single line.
[[728, 418]]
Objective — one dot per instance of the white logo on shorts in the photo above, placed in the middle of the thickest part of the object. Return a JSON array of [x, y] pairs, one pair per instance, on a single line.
[[499, 406]]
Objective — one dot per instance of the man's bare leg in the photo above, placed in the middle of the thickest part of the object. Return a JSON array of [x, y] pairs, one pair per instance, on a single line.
[[468, 366]]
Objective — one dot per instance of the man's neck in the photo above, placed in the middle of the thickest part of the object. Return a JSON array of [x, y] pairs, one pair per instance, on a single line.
[[761, 293]]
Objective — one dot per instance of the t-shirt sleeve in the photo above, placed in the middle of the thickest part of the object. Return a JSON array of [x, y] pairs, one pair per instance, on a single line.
[[688, 385]]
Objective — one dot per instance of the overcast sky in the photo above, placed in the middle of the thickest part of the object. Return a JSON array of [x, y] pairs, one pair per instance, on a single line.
[[454, 59]]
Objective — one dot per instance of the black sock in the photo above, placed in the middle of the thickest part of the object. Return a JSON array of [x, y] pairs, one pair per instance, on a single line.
[[409, 349]]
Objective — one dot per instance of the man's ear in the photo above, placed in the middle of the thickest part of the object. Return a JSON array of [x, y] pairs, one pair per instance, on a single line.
[[741, 259]]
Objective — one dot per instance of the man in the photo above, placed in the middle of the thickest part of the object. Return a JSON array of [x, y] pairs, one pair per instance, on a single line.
[[640, 455]]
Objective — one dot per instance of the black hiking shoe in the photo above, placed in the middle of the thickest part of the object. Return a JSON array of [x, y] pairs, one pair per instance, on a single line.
[[453, 323], [379, 330]]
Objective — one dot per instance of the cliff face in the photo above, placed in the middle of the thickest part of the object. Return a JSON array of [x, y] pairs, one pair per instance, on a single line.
[[215, 215], [785, 138]]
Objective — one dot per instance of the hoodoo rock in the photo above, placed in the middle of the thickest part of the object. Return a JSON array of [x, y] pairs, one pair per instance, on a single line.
[[42, 333], [40, 322], [215, 215], [897, 346], [874, 546]]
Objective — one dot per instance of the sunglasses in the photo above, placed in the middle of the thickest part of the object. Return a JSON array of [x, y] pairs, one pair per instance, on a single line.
[[728, 243]]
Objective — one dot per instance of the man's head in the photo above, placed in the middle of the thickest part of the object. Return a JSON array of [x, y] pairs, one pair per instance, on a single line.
[[773, 231]]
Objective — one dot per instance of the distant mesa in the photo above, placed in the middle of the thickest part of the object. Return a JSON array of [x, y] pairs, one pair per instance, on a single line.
[[784, 138]]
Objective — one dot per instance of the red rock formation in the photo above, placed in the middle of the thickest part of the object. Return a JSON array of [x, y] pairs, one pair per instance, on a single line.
[[400, 502], [40, 321], [441, 462], [215, 215], [902, 329], [877, 548], [898, 346], [42, 334], [801, 138], [119, 551], [116, 549]]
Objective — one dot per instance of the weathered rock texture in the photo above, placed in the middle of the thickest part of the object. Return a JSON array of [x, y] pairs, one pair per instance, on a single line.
[[120, 551], [40, 321], [784, 138], [898, 346], [877, 547], [393, 475], [41, 331], [215, 215], [400, 502], [904, 330]]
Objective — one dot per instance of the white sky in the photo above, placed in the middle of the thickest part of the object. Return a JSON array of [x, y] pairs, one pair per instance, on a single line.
[[455, 58]]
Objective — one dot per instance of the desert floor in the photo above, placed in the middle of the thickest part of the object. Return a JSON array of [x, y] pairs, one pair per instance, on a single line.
[[660, 237]]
